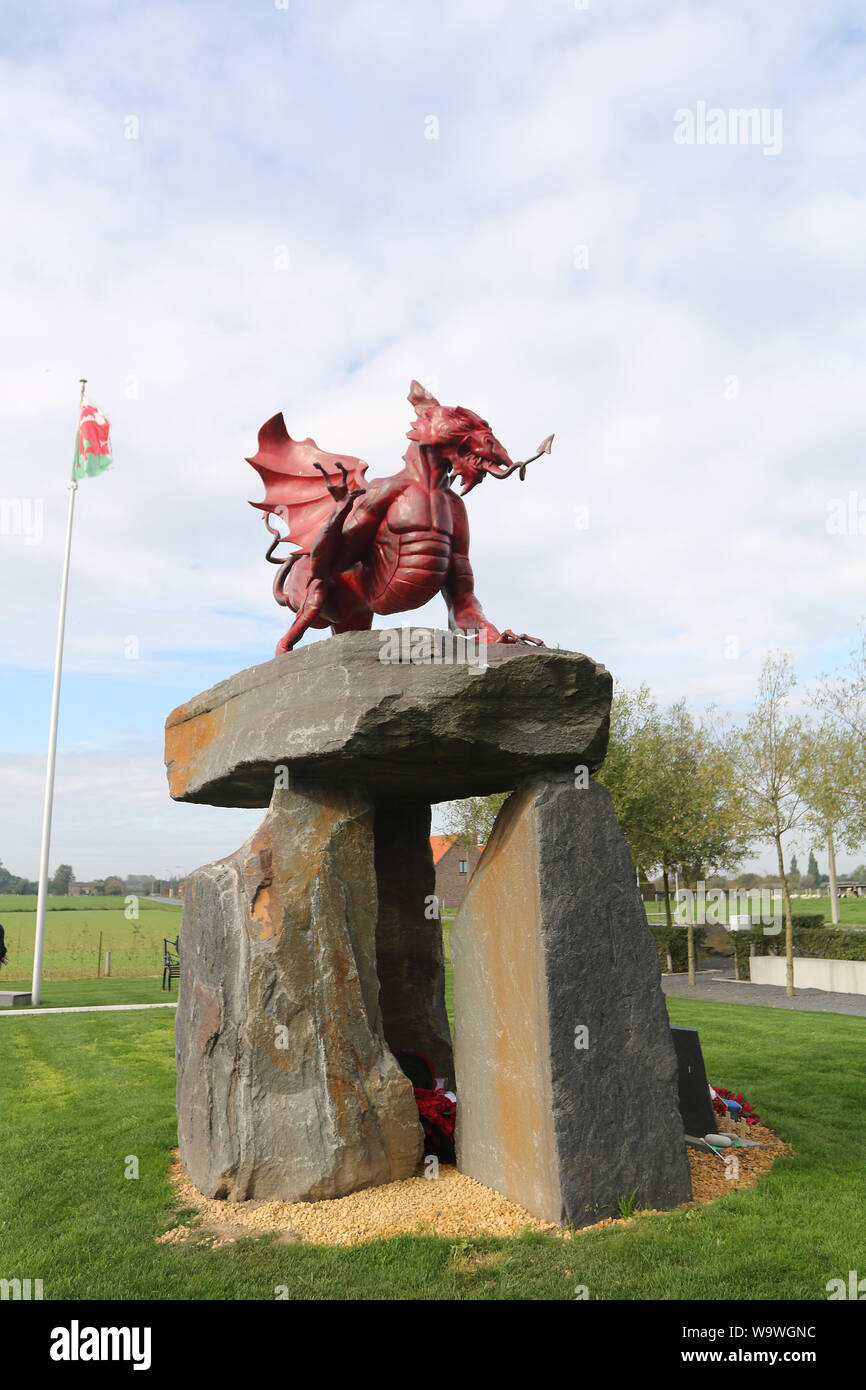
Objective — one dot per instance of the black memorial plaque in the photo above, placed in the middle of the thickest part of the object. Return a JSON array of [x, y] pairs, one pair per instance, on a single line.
[[696, 1107]]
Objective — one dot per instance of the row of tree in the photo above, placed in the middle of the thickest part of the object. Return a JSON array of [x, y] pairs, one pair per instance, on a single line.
[[59, 883], [695, 795], [813, 880]]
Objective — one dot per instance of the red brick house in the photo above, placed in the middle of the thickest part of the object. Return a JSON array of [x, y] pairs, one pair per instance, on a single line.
[[454, 865]]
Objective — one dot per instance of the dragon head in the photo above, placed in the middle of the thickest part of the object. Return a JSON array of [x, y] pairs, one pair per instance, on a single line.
[[463, 441]]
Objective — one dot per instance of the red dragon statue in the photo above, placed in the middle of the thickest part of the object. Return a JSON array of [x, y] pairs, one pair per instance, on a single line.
[[387, 547]]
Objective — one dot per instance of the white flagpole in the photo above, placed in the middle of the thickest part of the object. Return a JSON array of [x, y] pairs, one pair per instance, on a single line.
[[42, 900]]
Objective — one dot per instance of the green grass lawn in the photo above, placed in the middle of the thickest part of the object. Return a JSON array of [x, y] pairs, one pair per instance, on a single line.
[[852, 911], [60, 993], [26, 902], [447, 920], [83, 1093], [72, 932]]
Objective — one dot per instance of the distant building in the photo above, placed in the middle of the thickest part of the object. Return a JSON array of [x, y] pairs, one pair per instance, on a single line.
[[455, 863], [83, 890]]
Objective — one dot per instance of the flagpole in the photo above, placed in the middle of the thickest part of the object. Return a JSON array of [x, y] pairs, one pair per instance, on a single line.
[[42, 900]]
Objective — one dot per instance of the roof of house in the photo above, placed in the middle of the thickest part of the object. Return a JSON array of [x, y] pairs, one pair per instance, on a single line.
[[440, 844]]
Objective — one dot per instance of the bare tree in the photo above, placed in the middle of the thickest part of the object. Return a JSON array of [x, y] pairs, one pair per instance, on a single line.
[[770, 757], [831, 789], [471, 819]]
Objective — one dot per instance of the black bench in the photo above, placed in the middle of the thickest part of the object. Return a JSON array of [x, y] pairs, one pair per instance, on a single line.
[[170, 961]]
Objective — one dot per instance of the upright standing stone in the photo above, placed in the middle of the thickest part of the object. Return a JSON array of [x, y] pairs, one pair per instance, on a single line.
[[566, 1070], [286, 1087]]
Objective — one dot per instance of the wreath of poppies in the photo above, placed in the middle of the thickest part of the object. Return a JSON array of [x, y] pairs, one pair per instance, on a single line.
[[436, 1110], [750, 1116]]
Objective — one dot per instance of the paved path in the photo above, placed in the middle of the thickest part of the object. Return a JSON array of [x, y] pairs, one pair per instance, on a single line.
[[89, 1009], [721, 987]]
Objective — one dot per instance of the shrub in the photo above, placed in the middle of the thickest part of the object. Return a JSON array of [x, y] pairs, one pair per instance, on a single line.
[[816, 943], [674, 939]]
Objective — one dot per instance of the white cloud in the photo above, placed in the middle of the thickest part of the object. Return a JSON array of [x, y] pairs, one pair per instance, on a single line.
[[151, 265]]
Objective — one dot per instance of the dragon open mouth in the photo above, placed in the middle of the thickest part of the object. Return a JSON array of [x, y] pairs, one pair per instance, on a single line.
[[472, 467]]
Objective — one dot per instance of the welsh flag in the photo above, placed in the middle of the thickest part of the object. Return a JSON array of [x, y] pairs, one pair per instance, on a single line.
[[92, 444]]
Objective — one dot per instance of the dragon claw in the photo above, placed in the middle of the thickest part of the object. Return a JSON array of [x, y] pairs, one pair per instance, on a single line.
[[339, 491]]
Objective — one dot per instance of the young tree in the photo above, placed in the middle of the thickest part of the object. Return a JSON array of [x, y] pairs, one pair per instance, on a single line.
[[842, 699], [669, 778], [472, 818], [830, 789], [635, 773], [769, 759], [704, 828]]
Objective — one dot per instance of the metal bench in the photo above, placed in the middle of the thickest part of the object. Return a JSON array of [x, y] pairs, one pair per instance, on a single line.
[[170, 961]]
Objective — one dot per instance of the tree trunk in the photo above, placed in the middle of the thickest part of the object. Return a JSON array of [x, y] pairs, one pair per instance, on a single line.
[[834, 897], [667, 890], [789, 931], [690, 943]]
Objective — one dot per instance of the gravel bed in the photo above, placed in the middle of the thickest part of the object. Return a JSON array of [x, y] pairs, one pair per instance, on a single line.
[[450, 1205]]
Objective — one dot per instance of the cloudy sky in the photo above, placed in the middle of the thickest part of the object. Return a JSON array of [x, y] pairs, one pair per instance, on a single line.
[[216, 211]]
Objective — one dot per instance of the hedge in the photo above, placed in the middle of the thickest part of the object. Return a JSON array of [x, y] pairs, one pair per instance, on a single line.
[[814, 943]]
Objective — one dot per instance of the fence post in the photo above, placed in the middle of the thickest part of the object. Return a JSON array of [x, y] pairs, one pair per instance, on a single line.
[[99, 955], [107, 964]]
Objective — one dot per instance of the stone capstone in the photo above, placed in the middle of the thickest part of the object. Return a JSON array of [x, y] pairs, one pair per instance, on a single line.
[[404, 731]]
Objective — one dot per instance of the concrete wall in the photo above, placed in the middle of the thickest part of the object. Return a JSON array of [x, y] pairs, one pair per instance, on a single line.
[[838, 976]]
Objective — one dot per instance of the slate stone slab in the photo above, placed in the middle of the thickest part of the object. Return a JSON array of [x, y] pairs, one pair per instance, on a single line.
[[286, 1087], [566, 1072], [334, 712], [696, 1106]]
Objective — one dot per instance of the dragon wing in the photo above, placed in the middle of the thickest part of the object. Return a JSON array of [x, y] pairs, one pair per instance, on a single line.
[[294, 488]]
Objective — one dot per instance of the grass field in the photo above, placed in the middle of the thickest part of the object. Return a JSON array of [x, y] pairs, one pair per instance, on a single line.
[[852, 911], [84, 1093], [27, 902], [57, 994], [72, 930]]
